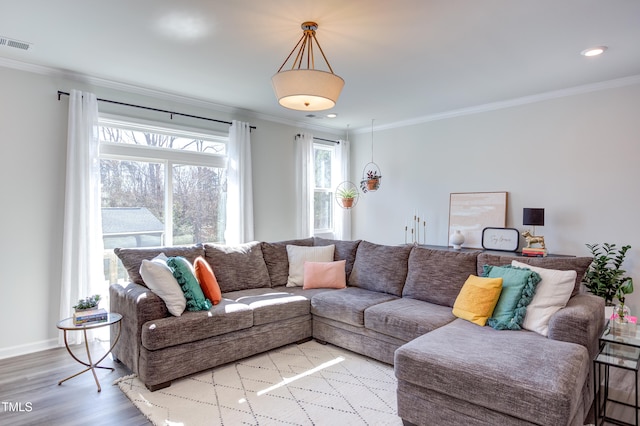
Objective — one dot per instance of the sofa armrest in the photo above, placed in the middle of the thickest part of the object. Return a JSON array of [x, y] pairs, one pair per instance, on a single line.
[[137, 305], [581, 321]]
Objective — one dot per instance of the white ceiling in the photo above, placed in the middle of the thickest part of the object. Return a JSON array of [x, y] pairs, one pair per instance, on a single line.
[[402, 60]]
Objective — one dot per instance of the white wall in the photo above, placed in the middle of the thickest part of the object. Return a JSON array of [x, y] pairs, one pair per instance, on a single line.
[[33, 128], [575, 156]]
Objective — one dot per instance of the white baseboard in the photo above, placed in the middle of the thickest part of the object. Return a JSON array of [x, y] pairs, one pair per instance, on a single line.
[[28, 348]]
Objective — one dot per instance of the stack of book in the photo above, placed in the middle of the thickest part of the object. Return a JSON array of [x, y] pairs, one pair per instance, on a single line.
[[534, 252], [88, 316]]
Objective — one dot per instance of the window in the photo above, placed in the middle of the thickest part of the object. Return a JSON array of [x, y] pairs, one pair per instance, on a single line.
[[323, 170], [160, 186]]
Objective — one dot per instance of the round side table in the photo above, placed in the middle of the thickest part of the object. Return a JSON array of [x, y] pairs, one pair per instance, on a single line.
[[67, 324]]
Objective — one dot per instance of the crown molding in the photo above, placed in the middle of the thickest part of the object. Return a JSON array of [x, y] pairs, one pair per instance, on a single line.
[[510, 103], [201, 103], [159, 94]]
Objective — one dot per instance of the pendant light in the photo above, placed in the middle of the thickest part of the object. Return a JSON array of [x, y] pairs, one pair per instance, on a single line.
[[303, 87]]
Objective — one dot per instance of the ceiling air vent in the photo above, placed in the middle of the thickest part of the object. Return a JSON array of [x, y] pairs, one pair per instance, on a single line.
[[4, 41]]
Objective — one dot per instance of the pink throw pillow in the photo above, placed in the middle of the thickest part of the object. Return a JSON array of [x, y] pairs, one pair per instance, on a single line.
[[325, 274]]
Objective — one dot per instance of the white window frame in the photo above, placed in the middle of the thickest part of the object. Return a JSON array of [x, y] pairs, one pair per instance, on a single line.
[[328, 146], [166, 156]]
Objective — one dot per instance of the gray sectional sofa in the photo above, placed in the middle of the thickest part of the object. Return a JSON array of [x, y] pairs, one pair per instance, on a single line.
[[397, 308]]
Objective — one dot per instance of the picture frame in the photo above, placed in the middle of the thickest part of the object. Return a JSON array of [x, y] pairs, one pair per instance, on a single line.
[[471, 212], [501, 239]]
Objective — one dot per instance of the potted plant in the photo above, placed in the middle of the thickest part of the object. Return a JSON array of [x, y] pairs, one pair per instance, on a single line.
[[606, 279], [89, 302], [347, 195], [372, 182]]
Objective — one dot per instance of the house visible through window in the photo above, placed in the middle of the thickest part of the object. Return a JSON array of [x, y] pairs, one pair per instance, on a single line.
[[324, 168], [160, 186]]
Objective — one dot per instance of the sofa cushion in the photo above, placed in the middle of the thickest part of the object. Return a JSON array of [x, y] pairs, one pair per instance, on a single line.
[[345, 250], [160, 280], [552, 294], [238, 267], [347, 305], [380, 268], [185, 275], [516, 372], [477, 299], [277, 261], [518, 288], [225, 317], [272, 306], [131, 258], [324, 274], [564, 263], [299, 255], [406, 318], [437, 276]]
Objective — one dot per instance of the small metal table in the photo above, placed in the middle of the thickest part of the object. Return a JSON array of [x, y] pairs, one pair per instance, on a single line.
[[67, 324], [619, 348]]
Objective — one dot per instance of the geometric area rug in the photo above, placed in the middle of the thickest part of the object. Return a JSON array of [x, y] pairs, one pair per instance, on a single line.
[[305, 384]]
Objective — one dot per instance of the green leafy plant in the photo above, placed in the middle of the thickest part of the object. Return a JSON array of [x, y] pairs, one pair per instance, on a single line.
[[88, 302], [605, 278], [348, 193]]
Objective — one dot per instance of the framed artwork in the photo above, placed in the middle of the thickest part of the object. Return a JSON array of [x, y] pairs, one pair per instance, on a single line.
[[471, 212]]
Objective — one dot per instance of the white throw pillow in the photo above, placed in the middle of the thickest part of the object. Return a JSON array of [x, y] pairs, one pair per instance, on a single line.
[[552, 294], [159, 278], [299, 254]]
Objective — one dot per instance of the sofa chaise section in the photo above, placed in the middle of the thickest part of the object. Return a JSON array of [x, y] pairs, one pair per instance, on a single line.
[[481, 376]]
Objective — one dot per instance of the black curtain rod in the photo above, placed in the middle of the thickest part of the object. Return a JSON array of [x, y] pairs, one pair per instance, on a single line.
[[171, 113], [321, 139]]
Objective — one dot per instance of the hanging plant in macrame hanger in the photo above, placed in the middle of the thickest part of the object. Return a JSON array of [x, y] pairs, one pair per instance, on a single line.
[[371, 175]]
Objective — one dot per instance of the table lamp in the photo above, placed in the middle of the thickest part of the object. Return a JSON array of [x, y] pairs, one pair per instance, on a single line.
[[533, 217]]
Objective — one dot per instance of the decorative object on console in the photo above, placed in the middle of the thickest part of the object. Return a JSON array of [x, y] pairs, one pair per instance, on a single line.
[[502, 239], [371, 174], [605, 276], [457, 239], [414, 229], [347, 195], [471, 212], [307, 89]]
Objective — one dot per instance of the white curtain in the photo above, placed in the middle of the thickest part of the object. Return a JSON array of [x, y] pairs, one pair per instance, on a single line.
[[82, 249], [342, 219], [239, 228], [303, 148]]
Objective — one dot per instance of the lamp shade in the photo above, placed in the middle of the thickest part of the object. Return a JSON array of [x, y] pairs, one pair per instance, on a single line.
[[534, 217], [307, 89]]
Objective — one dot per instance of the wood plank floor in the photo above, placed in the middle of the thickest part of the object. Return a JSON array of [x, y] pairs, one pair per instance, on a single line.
[[34, 379]]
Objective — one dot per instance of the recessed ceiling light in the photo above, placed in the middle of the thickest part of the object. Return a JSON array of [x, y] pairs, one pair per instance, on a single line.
[[594, 51], [332, 115]]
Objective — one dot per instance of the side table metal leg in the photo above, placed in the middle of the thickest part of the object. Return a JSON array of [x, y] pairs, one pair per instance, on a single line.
[[91, 365]]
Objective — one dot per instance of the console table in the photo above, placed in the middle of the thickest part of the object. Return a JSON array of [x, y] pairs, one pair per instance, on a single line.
[[496, 252]]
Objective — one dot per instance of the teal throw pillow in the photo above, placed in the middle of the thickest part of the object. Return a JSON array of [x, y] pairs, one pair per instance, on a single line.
[[518, 288], [184, 273]]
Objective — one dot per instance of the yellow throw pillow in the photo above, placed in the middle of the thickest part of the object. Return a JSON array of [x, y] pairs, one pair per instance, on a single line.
[[477, 299]]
